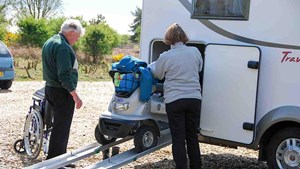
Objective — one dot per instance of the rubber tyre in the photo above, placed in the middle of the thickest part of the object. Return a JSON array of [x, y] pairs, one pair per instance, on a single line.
[[6, 84], [19, 146], [277, 142], [33, 134], [145, 138], [102, 139]]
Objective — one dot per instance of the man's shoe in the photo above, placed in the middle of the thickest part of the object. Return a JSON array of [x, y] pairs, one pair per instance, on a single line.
[[105, 154], [71, 165]]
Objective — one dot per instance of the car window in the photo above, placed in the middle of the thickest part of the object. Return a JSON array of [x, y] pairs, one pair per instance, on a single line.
[[4, 51]]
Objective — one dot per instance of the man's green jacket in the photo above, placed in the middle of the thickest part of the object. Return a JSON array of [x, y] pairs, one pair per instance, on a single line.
[[60, 66]]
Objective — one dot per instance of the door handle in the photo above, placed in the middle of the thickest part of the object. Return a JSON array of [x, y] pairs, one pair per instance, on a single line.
[[253, 64]]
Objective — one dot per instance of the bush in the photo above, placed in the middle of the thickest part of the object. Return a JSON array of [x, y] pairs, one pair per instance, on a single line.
[[10, 39], [99, 40], [54, 25], [33, 32], [2, 32]]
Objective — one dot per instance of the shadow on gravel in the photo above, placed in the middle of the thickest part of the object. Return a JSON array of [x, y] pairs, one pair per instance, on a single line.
[[230, 161], [5, 91], [213, 161], [26, 161]]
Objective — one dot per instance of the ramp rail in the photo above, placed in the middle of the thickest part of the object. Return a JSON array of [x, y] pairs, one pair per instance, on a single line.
[[94, 148]]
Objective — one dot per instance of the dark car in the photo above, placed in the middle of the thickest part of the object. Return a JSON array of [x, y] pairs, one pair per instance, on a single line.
[[7, 72]]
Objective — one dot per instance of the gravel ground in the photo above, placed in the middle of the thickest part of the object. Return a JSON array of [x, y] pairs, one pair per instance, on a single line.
[[14, 105]]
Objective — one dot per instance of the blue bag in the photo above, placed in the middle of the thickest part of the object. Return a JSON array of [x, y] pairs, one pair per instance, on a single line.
[[126, 83]]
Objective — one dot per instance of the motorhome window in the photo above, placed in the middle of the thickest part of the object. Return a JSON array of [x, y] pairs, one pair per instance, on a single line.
[[221, 9]]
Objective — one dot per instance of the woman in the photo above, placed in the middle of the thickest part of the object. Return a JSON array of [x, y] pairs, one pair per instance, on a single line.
[[180, 67]]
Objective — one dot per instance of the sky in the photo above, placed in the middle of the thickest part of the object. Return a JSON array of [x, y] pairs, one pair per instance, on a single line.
[[117, 13]]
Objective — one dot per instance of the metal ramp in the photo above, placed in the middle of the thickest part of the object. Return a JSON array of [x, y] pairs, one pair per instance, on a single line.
[[131, 155], [94, 148]]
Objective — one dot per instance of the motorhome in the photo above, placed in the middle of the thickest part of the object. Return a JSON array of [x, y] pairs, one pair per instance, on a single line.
[[250, 80]]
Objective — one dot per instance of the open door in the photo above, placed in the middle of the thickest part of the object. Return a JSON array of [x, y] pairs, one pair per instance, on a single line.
[[229, 92]]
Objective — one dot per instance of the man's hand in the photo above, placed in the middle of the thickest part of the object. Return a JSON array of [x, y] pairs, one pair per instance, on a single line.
[[77, 100]]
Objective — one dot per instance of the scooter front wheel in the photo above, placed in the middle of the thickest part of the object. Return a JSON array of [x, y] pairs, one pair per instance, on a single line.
[[103, 139]]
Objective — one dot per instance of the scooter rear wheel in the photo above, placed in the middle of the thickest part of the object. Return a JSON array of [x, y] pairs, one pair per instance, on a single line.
[[145, 138]]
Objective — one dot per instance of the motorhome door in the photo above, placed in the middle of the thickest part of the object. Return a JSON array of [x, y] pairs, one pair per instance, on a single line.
[[229, 92]]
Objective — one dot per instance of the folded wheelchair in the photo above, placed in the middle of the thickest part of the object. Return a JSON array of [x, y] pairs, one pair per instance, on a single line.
[[37, 128]]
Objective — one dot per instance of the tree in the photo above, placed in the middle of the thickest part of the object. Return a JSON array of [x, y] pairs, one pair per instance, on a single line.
[[4, 4], [3, 24], [99, 40], [100, 19], [3, 7], [136, 25], [33, 32], [38, 8], [124, 40], [54, 25], [2, 32], [80, 18]]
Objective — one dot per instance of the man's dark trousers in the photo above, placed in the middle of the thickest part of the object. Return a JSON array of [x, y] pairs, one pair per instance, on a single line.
[[63, 106], [184, 119]]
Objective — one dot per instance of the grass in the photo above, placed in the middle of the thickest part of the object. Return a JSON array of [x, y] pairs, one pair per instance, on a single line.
[[28, 63], [31, 69]]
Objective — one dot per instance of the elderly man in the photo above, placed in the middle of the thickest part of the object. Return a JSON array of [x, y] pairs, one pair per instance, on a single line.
[[60, 73]]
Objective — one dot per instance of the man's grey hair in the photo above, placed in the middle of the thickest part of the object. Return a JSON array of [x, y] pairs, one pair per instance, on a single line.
[[72, 25]]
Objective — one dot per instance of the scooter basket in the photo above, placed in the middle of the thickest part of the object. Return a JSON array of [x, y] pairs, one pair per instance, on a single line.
[[126, 83]]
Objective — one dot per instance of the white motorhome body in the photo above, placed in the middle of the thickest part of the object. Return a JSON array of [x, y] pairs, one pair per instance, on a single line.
[[250, 86]]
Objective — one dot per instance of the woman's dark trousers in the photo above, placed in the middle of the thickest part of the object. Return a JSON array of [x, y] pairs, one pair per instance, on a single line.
[[184, 120]]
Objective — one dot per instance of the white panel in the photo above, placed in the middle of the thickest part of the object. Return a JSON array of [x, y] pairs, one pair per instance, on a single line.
[[229, 92]]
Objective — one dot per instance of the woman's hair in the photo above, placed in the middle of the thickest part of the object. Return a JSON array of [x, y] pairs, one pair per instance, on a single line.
[[72, 25], [175, 34]]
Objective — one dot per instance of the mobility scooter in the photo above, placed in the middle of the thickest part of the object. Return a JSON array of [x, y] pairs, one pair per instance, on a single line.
[[136, 108]]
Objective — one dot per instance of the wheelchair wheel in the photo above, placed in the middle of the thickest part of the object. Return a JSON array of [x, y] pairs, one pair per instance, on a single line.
[[19, 146], [46, 140], [33, 134]]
